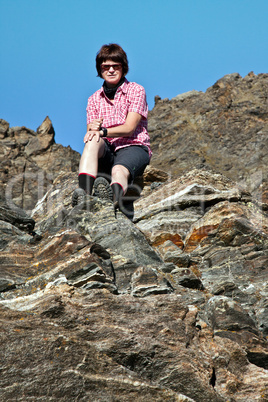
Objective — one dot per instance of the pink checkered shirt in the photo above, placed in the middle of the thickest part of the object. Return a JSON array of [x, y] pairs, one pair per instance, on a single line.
[[129, 97]]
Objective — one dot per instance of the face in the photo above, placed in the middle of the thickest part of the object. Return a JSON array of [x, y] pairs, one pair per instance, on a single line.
[[111, 72]]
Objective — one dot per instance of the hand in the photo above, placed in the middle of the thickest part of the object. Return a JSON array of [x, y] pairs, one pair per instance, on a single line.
[[95, 125], [90, 135]]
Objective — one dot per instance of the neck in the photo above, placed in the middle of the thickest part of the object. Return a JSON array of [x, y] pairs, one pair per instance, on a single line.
[[110, 85], [111, 90]]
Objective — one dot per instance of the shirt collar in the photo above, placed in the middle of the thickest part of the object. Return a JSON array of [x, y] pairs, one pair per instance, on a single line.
[[122, 87]]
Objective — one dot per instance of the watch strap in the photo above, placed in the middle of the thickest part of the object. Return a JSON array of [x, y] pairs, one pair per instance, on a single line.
[[105, 131]]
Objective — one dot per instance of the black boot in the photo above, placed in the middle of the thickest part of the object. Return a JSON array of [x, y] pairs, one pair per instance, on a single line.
[[124, 202], [118, 193], [86, 182], [102, 189], [79, 196]]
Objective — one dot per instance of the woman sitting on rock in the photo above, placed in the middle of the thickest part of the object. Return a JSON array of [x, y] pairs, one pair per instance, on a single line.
[[117, 144]]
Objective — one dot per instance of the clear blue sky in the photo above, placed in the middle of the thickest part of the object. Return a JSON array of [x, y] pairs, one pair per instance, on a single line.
[[48, 50]]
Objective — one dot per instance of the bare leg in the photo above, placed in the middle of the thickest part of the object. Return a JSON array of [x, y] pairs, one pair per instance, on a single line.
[[93, 150], [120, 174]]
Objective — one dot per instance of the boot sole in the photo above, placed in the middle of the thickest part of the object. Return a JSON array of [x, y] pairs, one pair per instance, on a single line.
[[102, 189]]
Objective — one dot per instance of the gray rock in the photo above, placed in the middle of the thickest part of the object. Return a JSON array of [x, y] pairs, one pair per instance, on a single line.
[[16, 216], [224, 313], [224, 129], [171, 307]]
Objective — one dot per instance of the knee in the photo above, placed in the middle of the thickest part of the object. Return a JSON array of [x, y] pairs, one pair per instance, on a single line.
[[120, 170], [92, 146]]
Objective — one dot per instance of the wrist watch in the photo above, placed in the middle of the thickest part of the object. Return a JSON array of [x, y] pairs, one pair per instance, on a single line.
[[105, 131]]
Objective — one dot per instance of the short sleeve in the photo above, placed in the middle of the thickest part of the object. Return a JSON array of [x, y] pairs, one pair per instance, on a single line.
[[138, 102], [92, 112]]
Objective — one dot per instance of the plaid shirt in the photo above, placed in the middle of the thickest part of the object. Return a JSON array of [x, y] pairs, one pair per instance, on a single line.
[[129, 97]]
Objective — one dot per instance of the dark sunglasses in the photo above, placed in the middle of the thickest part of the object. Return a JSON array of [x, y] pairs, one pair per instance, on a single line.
[[106, 67]]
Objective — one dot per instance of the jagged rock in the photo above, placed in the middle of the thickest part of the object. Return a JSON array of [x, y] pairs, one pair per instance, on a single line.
[[4, 126], [220, 245], [225, 314], [146, 281], [179, 314], [186, 277], [43, 140], [95, 219], [224, 129], [30, 161], [16, 216], [32, 266], [172, 306], [170, 211]]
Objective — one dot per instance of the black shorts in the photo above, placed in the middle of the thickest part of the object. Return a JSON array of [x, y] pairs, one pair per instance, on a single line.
[[134, 157]]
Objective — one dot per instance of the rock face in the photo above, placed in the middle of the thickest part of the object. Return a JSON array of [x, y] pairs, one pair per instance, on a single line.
[[30, 161], [169, 307], [224, 129]]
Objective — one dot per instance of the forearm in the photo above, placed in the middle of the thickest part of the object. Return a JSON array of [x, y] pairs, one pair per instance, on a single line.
[[123, 130], [120, 131], [126, 129]]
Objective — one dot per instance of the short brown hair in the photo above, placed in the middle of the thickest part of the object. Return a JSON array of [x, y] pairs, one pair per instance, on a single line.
[[112, 52]]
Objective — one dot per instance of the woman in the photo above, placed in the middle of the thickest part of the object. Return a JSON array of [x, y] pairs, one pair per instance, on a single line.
[[117, 142]]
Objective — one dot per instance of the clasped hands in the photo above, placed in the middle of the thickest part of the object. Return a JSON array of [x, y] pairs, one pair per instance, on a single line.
[[93, 130]]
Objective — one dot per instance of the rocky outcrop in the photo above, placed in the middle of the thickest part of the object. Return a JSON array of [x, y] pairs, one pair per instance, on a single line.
[[171, 307], [30, 161], [224, 129]]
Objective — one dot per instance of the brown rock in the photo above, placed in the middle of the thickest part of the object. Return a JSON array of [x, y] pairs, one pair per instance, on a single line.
[[171, 307], [224, 129], [31, 161], [93, 286], [43, 140]]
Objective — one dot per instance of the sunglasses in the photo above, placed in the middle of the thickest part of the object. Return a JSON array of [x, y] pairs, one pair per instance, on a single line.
[[106, 67]]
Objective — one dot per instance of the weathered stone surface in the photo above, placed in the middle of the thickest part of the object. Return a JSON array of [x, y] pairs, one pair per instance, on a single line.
[[4, 126], [216, 235], [169, 307], [170, 211], [30, 161], [114, 309], [225, 129], [74, 362], [16, 216]]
